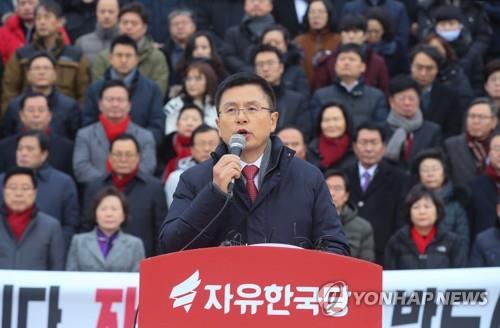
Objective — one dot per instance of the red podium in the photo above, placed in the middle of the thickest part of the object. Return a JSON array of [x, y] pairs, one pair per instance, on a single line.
[[256, 286]]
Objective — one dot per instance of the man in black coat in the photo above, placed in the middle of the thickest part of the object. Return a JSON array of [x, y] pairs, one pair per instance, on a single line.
[[240, 39], [468, 152], [42, 76], [439, 104], [35, 114], [267, 195], [378, 189], [292, 106], [145, 194], [484, 192], [407, 132]]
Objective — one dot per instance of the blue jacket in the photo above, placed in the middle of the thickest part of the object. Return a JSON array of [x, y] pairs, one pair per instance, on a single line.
[[486, 249], [146, 108], [66, 115], [293, 206]]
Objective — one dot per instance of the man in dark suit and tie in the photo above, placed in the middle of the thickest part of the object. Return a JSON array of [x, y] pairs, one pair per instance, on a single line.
[[378, 189], [276, 198]]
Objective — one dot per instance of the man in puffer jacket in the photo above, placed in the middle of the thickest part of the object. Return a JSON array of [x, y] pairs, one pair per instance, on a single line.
[[358, 231]]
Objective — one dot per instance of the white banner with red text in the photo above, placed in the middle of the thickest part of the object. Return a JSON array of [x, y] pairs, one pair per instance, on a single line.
[[426, 298]]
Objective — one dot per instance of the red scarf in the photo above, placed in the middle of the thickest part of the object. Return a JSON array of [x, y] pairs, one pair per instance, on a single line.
[[182, 148], [332, 149], [422, 241], [19, 221], [492, 174], [113, 130], [121, 182]]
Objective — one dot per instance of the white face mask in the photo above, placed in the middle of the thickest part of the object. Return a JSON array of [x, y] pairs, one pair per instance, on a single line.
[[449, 36]]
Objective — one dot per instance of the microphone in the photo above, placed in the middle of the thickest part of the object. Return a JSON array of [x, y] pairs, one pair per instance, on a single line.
[[237, 143]]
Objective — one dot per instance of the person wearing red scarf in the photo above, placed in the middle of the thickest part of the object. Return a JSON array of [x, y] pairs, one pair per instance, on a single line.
[[145, 194], [333, 143], [123, 161], [114, 128], [424, 243], [19, 199], [178, 144]]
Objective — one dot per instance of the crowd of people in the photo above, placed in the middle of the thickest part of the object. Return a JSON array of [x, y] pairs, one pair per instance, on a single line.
[[106, 103]]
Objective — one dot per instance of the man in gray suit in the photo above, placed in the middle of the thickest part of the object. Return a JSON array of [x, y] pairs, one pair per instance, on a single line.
[[468, 151], [92, 142]]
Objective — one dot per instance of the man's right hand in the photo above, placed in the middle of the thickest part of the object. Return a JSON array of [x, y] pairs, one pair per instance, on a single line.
[[227, 168]]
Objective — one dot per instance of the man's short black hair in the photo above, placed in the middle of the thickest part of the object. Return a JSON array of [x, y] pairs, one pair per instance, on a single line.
[[352, 47], [402, 83], [125, 137], [51, 7], [340, 174], [429, 51], [42, 138], [279, 28], [136, 8], [42, 54], [32, 94], [353, 22], [17, 170], [242, 79], [294, 128], [202, 129], [371, 126], [112, 84], [123, 40], [267, 48], [484, 101]]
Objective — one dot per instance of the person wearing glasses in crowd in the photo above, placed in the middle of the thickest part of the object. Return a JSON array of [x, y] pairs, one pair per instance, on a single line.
[[468, 152], [24, 229], [144, 193], [276, 198]]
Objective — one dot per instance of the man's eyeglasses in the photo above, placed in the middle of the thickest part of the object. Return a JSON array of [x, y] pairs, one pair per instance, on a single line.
[[248, 111], [124, 155], [15, 188]]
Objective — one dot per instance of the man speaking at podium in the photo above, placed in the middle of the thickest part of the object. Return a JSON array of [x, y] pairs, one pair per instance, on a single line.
[[265, 195]]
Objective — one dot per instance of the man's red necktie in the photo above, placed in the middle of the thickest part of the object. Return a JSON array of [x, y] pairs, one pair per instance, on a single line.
[[249, 172]]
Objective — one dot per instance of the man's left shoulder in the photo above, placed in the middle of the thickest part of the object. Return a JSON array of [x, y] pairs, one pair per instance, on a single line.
[[149, 180], [301, 169]]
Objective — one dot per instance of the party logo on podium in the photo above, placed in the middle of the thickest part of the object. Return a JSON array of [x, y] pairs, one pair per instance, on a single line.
[[184, 293]]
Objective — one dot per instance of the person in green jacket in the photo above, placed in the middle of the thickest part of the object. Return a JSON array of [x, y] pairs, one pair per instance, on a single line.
[[133, 21], [359, 231]]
